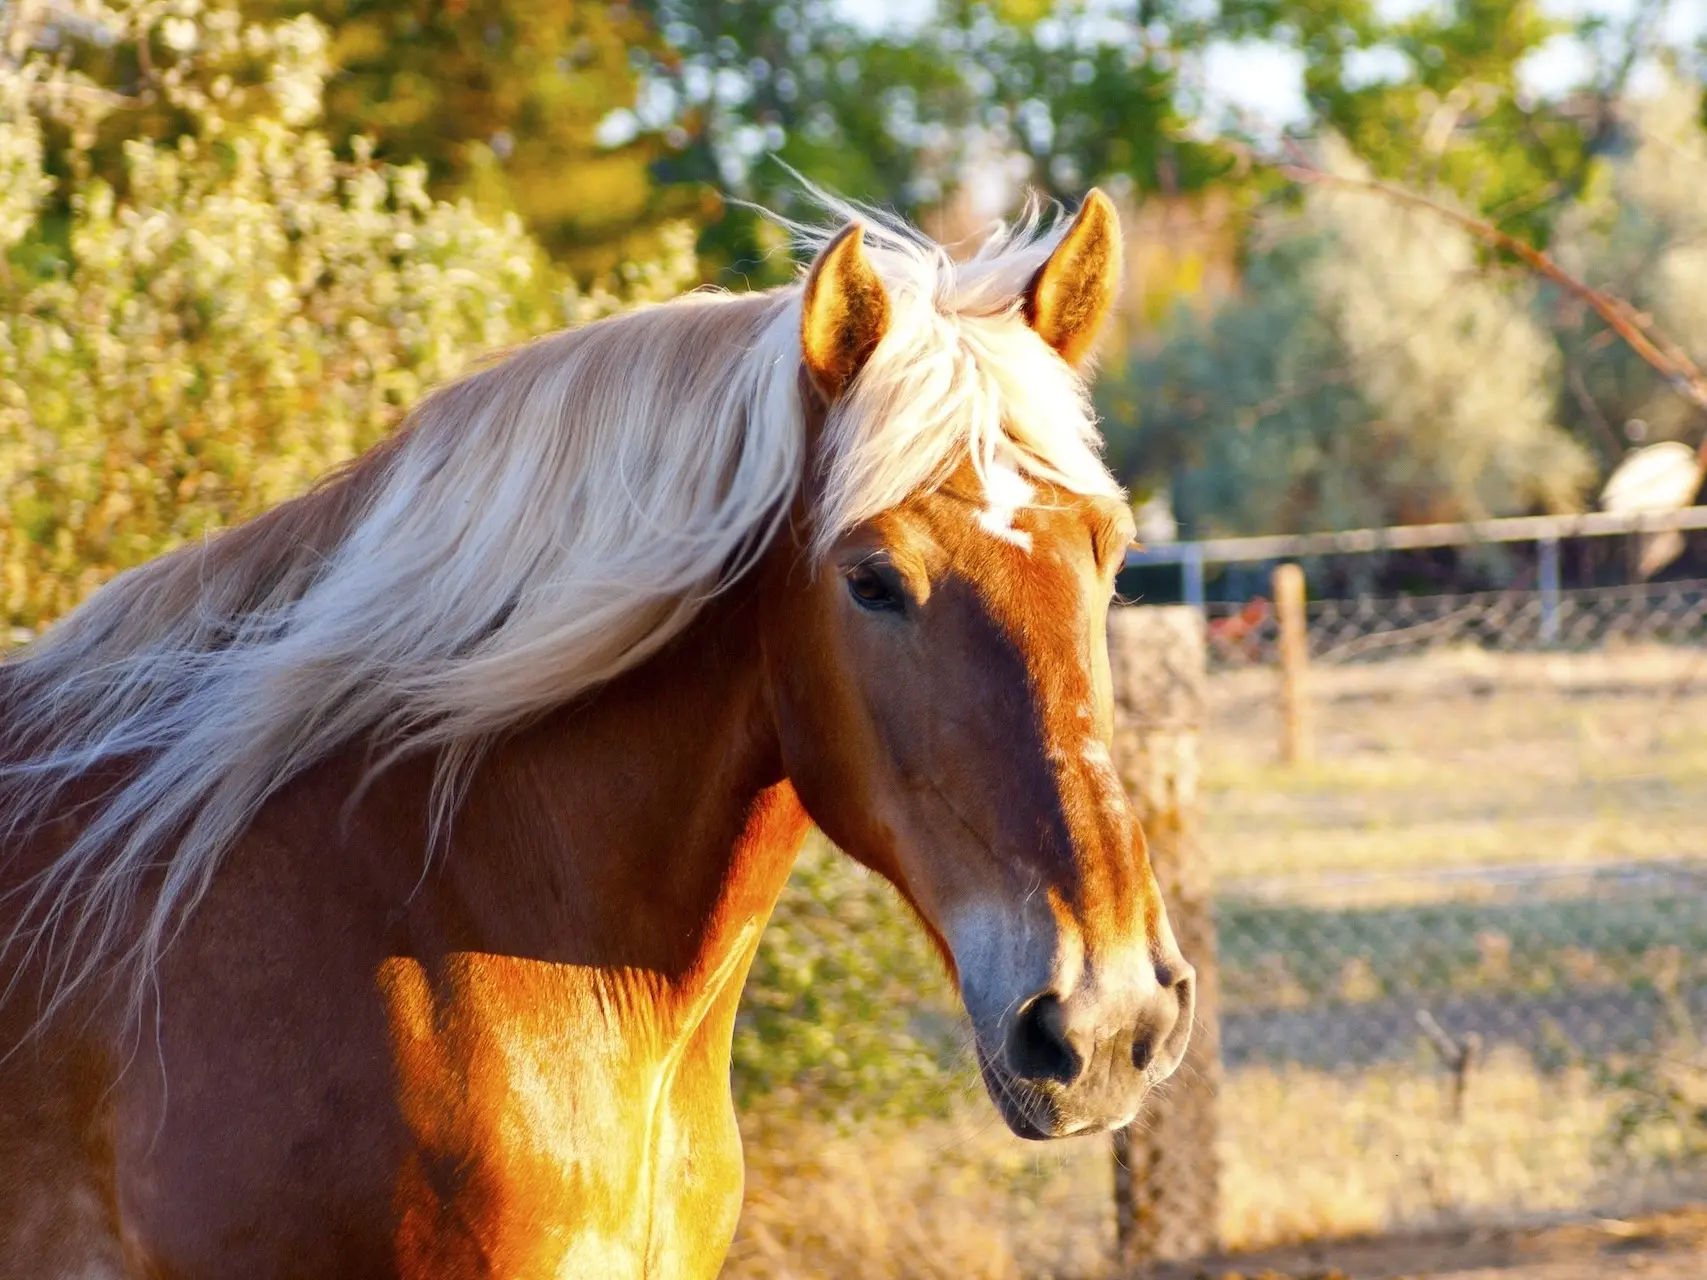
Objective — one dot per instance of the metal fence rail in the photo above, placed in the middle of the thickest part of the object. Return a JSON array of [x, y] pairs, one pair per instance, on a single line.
[[1545, 531]]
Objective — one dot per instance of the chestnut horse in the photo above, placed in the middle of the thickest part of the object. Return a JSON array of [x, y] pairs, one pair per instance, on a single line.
[[380, 876]]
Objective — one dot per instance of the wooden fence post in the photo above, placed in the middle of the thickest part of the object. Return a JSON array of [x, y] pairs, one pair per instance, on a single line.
[[1288, 586], [1166, 1172]]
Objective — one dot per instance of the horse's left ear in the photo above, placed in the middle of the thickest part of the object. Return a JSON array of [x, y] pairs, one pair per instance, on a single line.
[[1072, 292], [844, 314]]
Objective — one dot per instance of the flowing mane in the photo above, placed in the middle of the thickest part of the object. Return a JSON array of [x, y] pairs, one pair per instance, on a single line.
[[533, 530]]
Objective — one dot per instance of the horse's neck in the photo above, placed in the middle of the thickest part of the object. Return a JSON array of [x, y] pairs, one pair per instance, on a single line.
[[647, 830], [559, 985]]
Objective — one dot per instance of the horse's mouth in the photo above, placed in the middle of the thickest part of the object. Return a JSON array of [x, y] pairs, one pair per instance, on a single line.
[[1028, 1111], [1037, 1114]]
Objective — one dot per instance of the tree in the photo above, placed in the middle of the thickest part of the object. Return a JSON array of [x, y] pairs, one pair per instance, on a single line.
[[507, 101], [1640, 233], [1371, 374], [237, 311], [1433, 98]]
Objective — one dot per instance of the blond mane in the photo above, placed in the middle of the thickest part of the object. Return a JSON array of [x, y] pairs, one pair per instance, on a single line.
[[534, 530]]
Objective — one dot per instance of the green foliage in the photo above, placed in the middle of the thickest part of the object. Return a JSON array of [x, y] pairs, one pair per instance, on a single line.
[[1057, 92], [1445, 109], [504, 100], [1641, 233], [847, 1006], [1661, 1094], [238, 313], [1060, 94], [1660, 1115], [1243, 411]]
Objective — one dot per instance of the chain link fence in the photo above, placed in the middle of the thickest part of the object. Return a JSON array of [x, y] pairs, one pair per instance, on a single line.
[[1463, 944], [1362, 630]]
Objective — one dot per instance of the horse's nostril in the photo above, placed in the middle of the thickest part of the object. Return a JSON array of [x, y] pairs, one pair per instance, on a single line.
[[1172, 972], [1172, 1017], [1038, 1045], [1143, 1049]]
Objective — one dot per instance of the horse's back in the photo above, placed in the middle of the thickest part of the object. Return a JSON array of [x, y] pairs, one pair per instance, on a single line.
[[57, 1209]]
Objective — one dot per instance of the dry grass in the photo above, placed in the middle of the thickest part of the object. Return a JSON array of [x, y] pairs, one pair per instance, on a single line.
[[1309, 1154], [959, 1199], [1305, 1155], [1463, 758], [1668, 1245]]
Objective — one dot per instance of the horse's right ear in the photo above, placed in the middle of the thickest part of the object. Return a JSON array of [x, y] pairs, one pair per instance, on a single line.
[[1075, 289], [844, 315]]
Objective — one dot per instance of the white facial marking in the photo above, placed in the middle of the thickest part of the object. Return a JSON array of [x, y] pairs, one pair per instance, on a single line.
[[1006, 492], [1069, 957], [1123, 967]]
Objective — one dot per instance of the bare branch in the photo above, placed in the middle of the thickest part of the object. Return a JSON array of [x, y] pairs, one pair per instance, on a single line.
[[1459, 1055], [1590, 410]]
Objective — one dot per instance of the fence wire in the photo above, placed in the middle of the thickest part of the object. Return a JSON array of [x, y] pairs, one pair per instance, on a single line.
[[1463, 946], [1344, 631]]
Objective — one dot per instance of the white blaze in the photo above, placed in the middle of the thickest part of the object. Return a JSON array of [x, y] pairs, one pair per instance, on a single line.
[[1005, 492]]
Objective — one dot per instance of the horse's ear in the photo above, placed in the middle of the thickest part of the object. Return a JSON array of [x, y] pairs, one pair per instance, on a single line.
[[1072, 292], [845, 313]]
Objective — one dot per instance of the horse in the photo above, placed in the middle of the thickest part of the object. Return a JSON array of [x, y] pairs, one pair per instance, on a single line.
[[380, 875]]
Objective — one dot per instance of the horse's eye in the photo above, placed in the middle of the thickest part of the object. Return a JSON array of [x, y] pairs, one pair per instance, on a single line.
[[873, 589]]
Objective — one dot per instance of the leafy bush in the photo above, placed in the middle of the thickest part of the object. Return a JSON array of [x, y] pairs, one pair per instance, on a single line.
[[847, 1005], [198, 336]]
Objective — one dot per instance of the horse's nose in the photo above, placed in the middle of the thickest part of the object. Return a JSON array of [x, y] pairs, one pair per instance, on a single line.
[[1055, 1039]]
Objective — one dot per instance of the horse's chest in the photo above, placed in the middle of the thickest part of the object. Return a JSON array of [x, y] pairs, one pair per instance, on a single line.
[[553, 1133]]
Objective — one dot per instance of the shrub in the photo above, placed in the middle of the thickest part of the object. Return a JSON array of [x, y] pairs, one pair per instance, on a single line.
[[198, 335], [1370, 372], [847, 1008]]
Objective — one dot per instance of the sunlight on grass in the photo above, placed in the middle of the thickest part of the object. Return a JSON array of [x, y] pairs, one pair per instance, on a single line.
[[1305, 1155], [957, 1198], [1460, 760], [1308, 1154]]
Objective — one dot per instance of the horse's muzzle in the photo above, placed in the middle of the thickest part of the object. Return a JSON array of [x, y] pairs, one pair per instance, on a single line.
[[1083, 1062]]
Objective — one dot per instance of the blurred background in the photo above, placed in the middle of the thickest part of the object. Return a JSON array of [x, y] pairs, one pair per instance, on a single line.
[[1462, 924]]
